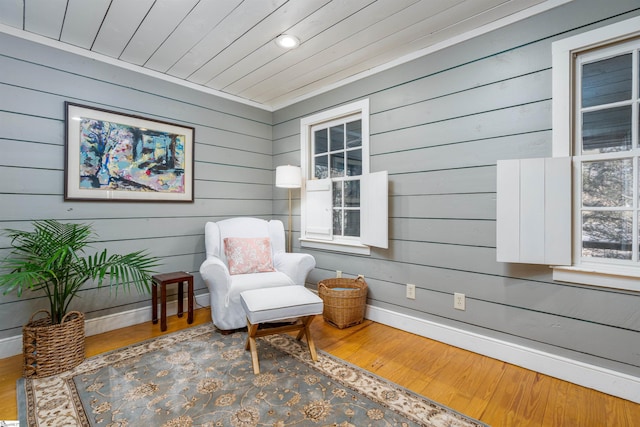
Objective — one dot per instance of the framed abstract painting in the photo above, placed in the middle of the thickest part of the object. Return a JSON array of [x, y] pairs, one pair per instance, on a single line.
[[112, 156]]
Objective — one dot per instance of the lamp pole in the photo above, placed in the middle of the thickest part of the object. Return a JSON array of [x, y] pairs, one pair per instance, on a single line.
[[290, 243], [289, 177]]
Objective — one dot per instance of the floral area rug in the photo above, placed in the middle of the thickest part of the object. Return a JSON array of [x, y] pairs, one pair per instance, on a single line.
[[198, 377]]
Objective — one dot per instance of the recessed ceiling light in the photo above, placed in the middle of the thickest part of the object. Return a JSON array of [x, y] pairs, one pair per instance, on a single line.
[[287, 41]]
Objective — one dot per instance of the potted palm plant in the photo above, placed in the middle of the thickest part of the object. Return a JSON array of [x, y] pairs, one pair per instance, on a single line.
[[52, 258]]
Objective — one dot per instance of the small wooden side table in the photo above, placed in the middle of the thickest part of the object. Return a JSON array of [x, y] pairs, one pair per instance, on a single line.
[[162, 280]]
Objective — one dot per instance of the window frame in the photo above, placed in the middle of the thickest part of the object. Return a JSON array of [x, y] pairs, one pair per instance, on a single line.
[[632, 154], [344, 112], [563, 134], [313, 155]]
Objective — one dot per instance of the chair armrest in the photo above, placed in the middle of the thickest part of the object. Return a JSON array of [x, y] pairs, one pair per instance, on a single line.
[[295, 265], [215, 275]]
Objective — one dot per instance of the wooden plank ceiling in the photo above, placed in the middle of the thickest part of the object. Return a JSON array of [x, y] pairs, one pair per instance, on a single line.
[[228, 46]]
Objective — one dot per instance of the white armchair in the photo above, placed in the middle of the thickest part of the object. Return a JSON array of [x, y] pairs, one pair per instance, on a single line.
[[289, 269]]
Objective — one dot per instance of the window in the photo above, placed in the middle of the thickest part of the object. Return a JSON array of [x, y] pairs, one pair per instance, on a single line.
[[606, 155], [337, 154], [595, 239], [596, 122], [338, 202]]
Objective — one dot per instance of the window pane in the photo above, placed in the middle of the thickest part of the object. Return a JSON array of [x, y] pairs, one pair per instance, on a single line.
[[320, 141], [352, 193], [606, 131], [337, 164], [337, 222], [354, 162], [607, 234], [352, 223], [606, 81], [337, 138], [321, 169], [607, 183], [337, 194], [354, 134]]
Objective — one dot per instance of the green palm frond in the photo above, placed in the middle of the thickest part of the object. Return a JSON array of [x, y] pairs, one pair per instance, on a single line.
[[52, 258]]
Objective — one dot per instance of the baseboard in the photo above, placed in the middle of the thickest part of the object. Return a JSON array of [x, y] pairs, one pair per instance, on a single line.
[[583, 374], [12, 346]]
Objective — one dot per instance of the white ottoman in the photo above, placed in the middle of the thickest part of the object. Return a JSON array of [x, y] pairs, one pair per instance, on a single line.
[[279, 303]]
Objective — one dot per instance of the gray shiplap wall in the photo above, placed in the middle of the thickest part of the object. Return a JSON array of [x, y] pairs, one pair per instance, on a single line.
[[233, 165], [438, 125]]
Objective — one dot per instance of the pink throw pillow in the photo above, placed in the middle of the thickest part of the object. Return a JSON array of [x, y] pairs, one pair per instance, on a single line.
[[248, 254]]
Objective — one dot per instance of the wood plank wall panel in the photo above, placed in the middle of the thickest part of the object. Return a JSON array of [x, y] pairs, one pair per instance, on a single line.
[[438, 125], [233, 166]]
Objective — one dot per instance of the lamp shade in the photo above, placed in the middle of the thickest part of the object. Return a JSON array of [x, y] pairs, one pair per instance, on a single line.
[[288, 176]]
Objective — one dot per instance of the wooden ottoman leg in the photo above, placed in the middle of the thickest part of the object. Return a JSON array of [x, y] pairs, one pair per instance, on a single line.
[[306, 331], [251, 345]]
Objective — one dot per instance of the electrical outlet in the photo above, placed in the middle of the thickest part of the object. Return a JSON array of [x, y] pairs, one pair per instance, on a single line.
[[338, 274], [411, 291], [459, 301]]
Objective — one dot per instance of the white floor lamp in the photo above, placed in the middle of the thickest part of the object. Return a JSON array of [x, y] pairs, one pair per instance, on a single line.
[[289, 177]]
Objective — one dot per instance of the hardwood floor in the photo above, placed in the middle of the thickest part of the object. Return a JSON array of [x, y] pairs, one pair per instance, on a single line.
[[494, 392]]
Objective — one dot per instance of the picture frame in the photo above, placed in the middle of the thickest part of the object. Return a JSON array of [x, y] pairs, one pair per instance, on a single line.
[[112, 156]]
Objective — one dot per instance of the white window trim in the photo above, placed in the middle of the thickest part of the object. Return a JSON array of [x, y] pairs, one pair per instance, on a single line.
[[358, 107], [563, 52]]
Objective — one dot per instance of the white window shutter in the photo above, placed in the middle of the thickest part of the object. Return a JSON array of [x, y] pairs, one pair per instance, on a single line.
[[374, 209], [508, 211], [318, 221], [533, 211]]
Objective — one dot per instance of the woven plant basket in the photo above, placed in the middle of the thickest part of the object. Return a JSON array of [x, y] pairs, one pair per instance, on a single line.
[[344, 301], [49, 349]]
